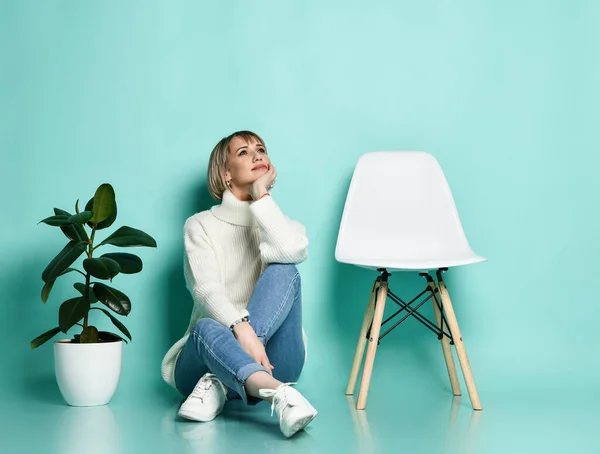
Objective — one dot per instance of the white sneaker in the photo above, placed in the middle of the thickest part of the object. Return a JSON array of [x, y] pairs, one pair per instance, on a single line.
[[206, 401], [295, 412]]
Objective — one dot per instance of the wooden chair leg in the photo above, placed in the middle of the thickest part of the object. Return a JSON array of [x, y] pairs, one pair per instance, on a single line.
[[454, 384], [362, 341], [372, 349], [460, 348]]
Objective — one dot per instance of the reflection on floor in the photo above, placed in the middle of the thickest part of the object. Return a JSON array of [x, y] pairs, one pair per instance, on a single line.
[[410, 422]]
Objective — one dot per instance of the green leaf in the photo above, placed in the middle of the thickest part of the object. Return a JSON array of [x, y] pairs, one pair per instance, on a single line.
[[71, 311], [47, 289], [56, 220], [48, 286], [63, 260], [102, 267], [77, 207], [115, 322], [42, 338], [129, 263], [64, 218], [128, 237], [81, 218], [89, 335], [104, 203], [74, 232], [110, 337], [80, 287], [113, 298], [107, 222]]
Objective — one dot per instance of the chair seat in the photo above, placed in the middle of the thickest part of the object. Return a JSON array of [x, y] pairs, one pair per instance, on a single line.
[[400, 215], [414, 265]]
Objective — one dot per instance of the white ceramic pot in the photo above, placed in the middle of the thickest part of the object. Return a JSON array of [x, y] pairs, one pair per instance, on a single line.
[[87, 374]]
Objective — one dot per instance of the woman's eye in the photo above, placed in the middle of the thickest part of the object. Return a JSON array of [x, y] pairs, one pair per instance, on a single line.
[[262, 150], [241, 153]]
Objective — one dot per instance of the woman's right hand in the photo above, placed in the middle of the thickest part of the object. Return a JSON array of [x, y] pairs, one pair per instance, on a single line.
[[263, 183], [251, 344]]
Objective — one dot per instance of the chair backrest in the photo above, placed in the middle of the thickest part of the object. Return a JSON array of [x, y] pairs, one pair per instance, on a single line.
[[399, 210]]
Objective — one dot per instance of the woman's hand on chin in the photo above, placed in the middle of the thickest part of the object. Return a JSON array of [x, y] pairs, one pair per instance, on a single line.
[[263, 183], [252, 345]]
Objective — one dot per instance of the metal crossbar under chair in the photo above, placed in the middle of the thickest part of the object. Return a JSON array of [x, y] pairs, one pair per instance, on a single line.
[[400, 215]]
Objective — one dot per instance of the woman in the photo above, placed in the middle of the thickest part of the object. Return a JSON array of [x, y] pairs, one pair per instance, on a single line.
[[245, 338]]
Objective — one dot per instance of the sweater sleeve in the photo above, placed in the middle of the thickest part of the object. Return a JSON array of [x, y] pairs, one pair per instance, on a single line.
[[282, 240], [203, 277]]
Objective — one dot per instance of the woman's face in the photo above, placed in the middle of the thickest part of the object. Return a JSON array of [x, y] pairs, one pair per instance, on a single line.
[[246, 162]]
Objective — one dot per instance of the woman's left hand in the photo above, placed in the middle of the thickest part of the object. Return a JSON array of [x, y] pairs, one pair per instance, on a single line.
[[252, 345], [263, 183]]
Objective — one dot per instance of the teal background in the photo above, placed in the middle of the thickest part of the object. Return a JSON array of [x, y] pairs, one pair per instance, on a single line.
[[504, 94]]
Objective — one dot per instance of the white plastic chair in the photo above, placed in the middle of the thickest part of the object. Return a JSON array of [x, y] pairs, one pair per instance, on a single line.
[[400, 216]]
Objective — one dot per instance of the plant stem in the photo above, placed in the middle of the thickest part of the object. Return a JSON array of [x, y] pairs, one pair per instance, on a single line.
[[87, 292], [87, 276]]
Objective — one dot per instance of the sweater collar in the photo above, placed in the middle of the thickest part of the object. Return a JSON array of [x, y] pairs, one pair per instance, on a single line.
[[233, 210]]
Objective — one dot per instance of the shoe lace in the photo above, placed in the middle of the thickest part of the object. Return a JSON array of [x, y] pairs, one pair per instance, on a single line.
[[205, 384], [280, 400]]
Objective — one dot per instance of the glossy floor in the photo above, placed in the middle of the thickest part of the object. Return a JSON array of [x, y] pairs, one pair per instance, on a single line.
[[422, 420]]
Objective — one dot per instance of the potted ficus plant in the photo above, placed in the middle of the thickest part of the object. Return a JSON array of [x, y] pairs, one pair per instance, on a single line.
[[88, 365]]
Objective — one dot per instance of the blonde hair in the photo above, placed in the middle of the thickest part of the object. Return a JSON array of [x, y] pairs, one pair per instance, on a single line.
[[217, 163]]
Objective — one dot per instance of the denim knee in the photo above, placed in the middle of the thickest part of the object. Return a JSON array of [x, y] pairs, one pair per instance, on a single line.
[[205, 328], [284, 271]]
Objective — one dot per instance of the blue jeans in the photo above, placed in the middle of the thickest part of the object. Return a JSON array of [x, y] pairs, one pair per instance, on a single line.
[[275, 310]]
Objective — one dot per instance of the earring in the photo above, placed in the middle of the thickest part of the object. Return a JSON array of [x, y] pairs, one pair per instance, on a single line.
[[228, 183]]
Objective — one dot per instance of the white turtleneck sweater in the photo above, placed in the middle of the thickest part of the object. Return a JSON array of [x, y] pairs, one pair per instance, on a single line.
[[226, 250]]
